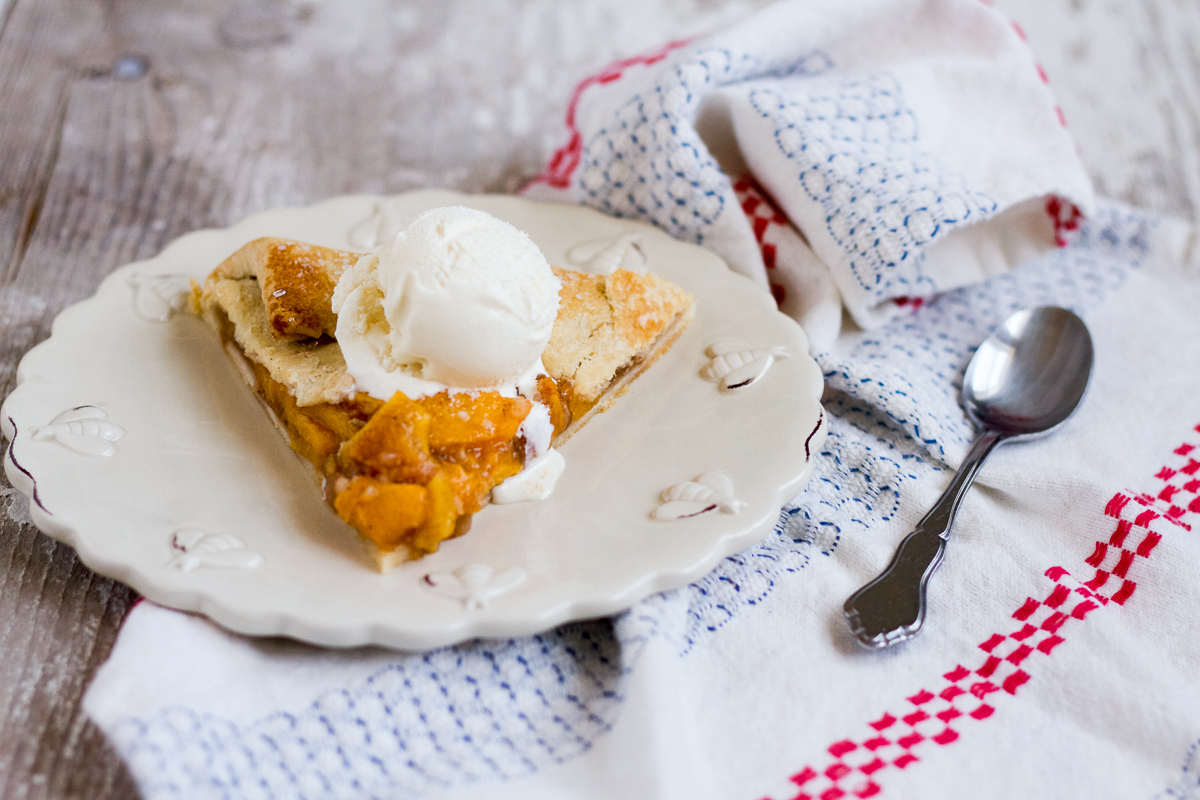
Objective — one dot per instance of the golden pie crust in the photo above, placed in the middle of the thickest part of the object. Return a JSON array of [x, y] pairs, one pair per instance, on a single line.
[[295, 281], [408, 474]]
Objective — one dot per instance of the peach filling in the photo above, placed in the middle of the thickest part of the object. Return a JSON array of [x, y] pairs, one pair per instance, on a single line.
[[439, 456], [412, 472]]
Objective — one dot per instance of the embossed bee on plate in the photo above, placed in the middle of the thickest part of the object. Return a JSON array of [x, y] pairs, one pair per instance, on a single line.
[[195, 548], [159, 297], [735, 363], [385, 221], [605, 256], [85, 430], [711, 491], [474, 584]]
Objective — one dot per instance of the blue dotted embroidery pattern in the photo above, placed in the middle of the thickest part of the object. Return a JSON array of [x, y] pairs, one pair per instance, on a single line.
[[1187, 787], [649, 163], [857, 484], [911, 368], [499, 710], [855, 142], [492, 710], [744, 579]]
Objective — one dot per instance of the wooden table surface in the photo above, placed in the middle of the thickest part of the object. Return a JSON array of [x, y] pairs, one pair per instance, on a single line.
[[124, 124]]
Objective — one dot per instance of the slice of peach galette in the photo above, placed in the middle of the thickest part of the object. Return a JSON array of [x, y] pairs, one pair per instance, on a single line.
[[438, 373]]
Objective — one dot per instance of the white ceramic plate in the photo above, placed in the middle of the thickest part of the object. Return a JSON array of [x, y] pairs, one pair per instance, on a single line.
[[140, 446]]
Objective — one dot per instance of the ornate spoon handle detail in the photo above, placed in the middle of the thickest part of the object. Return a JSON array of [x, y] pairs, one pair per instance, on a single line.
[[891, 608]]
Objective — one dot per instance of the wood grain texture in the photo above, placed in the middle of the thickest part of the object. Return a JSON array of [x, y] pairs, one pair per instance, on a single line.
[[1127, 76], [57, 619], [125, 124]]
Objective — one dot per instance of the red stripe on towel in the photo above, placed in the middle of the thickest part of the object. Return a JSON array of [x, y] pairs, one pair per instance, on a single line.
[[960, 694]]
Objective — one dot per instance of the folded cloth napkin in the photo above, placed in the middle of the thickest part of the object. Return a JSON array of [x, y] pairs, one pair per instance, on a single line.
[[1057, 659], [914, 145]]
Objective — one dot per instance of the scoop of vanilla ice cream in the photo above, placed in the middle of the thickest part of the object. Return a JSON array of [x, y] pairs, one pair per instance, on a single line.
[[458, 300]]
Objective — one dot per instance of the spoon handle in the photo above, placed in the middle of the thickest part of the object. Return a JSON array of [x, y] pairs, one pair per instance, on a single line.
[[891, 608]]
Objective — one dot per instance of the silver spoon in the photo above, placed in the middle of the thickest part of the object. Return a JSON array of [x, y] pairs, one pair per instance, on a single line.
[[1026, 378]]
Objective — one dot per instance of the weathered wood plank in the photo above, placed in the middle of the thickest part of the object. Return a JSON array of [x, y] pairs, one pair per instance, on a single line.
[[43, 45], [66, 618], [1127, 76], [57, 619], [124, 125]]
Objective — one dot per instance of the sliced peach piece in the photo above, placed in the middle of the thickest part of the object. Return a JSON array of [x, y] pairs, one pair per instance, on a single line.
[[394, 443], [441, 519], [385, 513], [316, 443], [345, 418], [549, 396], [473, 419]]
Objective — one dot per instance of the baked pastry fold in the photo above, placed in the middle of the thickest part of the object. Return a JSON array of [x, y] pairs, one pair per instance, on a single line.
[[270, 302]]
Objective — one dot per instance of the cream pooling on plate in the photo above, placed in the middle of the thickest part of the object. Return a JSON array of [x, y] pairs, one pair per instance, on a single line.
[[459, 301]]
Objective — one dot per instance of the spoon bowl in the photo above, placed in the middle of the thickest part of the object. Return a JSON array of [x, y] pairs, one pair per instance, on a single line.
[[1025, 379], [1030, 373]]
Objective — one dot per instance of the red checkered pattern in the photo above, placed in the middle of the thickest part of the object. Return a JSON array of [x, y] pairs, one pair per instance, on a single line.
[[915, 302], [766, 220], [937, 716], [1066, 218]]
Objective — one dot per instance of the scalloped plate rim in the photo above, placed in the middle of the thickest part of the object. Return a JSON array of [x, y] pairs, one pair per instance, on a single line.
[[469, 626]]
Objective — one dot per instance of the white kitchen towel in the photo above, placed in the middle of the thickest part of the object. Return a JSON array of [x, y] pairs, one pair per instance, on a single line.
[[914, 145], [1058, 659]]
